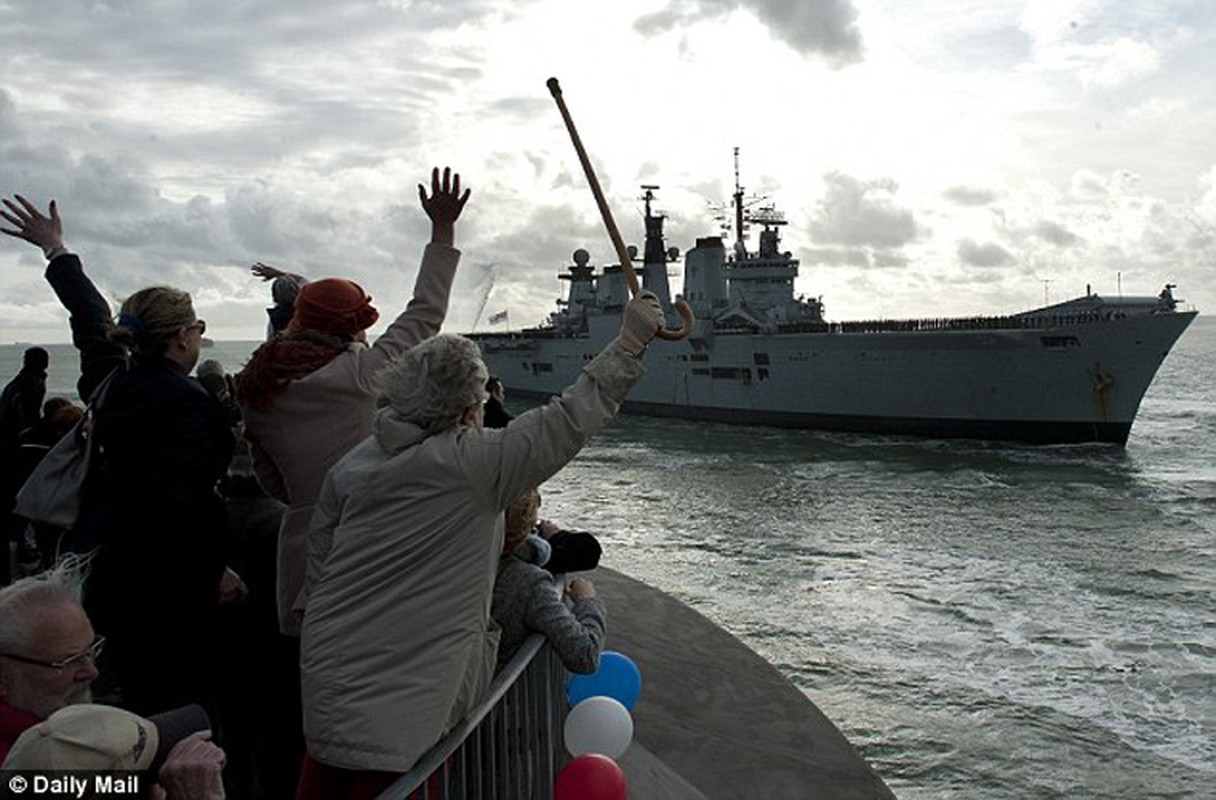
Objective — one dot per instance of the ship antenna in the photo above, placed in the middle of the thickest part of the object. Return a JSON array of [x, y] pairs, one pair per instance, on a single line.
[[738, 203], [648, 196], [631, 278]]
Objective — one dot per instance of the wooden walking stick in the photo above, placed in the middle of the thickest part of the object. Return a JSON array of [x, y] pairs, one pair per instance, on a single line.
[[621, 251]]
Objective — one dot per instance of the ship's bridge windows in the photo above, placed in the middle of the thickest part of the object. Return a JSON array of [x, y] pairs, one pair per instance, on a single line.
[[731, 374], [541, 366], [742, 374], [1059, 342], [760, 359]]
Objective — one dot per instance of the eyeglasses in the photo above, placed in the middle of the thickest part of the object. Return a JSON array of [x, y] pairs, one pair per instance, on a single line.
[[198, 325], [71, 662]]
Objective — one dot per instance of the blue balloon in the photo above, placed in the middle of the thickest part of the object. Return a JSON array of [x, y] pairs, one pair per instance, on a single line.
[[618, 677]]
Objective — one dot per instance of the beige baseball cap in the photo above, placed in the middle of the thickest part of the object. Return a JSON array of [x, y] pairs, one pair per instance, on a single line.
[[90, 736]]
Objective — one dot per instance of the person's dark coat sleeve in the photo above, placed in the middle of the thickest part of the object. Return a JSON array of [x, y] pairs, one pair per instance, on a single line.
[[89, 320]]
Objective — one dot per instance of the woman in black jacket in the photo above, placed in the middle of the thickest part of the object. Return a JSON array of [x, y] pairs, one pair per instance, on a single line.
[[150, 509]]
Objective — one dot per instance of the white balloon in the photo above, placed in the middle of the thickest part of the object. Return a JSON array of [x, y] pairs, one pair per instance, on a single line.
[[599, 724]]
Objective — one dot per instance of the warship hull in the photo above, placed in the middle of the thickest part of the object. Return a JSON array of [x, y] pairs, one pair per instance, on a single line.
[[1063, 383]]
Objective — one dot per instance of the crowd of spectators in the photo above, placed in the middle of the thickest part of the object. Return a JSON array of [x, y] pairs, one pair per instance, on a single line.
[[355, 521]]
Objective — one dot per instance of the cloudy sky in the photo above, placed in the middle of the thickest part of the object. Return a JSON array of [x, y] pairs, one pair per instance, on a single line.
[[933, 157]]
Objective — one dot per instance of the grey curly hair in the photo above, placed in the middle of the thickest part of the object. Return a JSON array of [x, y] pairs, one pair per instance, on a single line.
[[61, 584], [435, 382]]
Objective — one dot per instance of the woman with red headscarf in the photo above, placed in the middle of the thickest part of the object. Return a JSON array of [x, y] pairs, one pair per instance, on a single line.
[[309, 394]]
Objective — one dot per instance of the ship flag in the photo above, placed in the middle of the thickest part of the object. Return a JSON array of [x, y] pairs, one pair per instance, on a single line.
[[501, 316]]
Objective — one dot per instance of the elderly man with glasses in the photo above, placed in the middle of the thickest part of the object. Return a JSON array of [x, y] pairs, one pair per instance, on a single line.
[[48, 649], [48, 661]]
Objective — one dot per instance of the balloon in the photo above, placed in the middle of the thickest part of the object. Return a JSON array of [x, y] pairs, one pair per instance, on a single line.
[[590, 777], [617, 677], [599, 725]]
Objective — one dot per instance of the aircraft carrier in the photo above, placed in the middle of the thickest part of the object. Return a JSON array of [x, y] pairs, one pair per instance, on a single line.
[[759, 355]]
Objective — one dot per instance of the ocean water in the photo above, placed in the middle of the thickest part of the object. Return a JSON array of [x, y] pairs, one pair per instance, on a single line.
[[981, 620]]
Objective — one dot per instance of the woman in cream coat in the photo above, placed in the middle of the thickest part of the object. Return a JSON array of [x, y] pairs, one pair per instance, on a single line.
[[397, 642], [309, 395]]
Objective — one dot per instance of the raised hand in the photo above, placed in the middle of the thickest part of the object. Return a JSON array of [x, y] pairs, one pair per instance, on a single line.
[[32, 225], [643, 318], [266, 272], [444, 205]]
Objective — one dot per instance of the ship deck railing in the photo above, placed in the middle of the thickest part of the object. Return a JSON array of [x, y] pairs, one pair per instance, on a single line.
[[939, 324], [1019, 322], [508, 747]]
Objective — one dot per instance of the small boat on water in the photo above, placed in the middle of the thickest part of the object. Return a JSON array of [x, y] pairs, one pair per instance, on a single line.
[[758, 355]]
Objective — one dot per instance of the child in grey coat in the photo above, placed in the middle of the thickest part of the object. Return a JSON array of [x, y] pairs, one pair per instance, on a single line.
[[527, 599]]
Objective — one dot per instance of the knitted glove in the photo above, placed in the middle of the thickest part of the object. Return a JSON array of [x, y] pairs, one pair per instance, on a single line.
[[534, 550], [641, 321]]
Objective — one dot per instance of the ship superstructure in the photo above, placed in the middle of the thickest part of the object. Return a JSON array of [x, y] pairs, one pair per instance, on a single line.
[[1070, 372]]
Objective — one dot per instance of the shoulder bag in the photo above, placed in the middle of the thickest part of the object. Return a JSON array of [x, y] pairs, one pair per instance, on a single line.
[[52, 492]]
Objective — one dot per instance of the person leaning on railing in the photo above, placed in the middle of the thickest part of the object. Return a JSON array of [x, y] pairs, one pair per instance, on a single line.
[[527, 600], [397, 643]]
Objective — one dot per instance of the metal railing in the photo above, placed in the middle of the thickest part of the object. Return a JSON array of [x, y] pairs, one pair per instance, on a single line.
[[508, 747]]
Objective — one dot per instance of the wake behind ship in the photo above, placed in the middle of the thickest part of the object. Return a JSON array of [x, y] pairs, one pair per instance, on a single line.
[[758, 355]]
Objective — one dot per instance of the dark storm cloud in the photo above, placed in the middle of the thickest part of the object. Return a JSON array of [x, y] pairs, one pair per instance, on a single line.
[[131, 236], [8, 116], [225, 41], [987, 254], [890, 259], [861, 213], [525, 108], [812, 27], [969, 195], [859, 224], [274, 57], [332, 90], [1056, 234]]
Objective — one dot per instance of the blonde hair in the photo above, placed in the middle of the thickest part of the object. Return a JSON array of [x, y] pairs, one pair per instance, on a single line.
[[151, 317], [520, 519]]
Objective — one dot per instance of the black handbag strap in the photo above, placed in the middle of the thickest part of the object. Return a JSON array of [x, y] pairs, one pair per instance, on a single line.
[[99, 392], [82, 432]]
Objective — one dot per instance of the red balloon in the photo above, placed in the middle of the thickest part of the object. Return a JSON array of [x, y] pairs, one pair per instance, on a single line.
[[591, 776]]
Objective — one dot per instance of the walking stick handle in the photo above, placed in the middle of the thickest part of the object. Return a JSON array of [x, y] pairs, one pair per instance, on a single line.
[[614, 233]]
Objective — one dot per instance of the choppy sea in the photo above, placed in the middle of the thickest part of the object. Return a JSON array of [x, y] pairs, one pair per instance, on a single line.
[[981, 620]]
